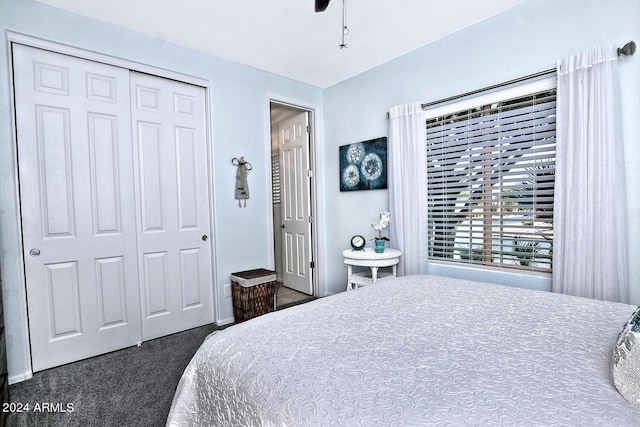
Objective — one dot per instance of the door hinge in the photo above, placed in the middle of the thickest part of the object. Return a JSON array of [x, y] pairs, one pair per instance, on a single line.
[[310, 220], [310, 174], [313, 264], [308, 129]]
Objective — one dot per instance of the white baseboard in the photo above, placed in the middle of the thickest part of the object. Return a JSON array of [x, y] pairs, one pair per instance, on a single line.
[[22, 377], [227, 321]]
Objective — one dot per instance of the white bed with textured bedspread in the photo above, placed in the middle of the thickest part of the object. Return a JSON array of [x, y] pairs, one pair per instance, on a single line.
[[413, 351]]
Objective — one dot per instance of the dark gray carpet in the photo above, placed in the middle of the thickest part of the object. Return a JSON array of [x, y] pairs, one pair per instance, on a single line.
[[130, 387], [133, 387]]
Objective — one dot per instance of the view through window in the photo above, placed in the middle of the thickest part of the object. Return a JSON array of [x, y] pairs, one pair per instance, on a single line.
[[490, 180]]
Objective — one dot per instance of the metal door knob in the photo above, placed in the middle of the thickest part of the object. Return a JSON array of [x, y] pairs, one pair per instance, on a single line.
[[282, 226], [34, 252], [204, 237]]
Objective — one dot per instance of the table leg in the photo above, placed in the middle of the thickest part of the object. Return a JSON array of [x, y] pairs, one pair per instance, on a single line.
[[374, 274], [349, 272]]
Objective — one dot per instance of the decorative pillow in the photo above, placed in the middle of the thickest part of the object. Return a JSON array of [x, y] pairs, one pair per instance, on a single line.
[[626, 360]]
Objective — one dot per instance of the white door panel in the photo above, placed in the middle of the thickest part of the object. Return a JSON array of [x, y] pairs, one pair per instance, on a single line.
[[78, 212], [295, 203], [175, 248]]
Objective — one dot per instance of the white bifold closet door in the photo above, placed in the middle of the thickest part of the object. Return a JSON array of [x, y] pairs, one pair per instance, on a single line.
[[173, 221], [114, 203]]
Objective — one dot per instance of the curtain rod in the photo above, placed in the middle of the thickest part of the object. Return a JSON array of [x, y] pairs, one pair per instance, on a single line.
[[484, 89], [628, 49]]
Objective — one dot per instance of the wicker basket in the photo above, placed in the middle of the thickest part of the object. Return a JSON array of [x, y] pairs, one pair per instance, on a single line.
[[253, 293]]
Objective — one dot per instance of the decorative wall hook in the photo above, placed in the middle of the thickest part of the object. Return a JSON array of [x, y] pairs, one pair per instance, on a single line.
[[241, 161], [242, 184]]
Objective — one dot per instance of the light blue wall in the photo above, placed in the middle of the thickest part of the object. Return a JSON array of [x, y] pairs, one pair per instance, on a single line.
[[238, 122], [521, 41]]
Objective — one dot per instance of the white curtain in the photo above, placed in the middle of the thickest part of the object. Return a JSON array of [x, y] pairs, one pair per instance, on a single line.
[[590, 247], [407, 186]]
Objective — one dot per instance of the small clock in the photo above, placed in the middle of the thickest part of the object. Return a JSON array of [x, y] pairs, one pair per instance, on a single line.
[[357, 242]]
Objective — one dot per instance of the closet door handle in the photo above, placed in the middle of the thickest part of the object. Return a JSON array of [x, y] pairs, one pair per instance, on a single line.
[[204, 237], [34, 252]]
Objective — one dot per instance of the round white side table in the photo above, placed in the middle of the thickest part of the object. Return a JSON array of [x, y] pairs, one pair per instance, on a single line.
[[368, 257]]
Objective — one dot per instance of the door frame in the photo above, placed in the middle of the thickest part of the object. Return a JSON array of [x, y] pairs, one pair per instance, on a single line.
[[314, 193], [16, 38]]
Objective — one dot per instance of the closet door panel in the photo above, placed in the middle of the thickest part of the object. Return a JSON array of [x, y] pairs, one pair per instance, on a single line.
[[186, 152], [53, 165], [112, 300], [77, 206], [174, 191], [156, 284], [151, 177], [105, 179]]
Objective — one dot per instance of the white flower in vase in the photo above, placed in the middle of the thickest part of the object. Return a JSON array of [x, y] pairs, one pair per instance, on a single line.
[[385, 218]]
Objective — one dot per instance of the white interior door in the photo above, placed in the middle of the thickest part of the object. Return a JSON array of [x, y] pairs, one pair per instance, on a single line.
[[296, 205], [172, 175], [77, 205]]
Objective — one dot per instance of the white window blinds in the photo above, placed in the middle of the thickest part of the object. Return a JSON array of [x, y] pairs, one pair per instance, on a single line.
[[490, 179], [275, 178]]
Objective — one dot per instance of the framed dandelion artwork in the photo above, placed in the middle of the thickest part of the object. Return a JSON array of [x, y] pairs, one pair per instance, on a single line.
[[363, 165]]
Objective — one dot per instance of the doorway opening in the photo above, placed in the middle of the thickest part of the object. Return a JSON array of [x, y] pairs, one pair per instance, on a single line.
[[292, 201]]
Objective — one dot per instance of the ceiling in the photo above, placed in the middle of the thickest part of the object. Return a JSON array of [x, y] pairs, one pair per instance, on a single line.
[[286, 37]]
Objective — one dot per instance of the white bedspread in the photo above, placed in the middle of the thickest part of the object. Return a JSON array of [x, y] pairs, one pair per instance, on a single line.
[[416, 351]]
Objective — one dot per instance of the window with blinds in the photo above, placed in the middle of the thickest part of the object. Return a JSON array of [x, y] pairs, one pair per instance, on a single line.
[[275, 178], [490, 179]]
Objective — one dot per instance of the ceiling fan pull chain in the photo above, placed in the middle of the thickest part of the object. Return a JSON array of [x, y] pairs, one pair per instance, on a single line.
[[345, 29]]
